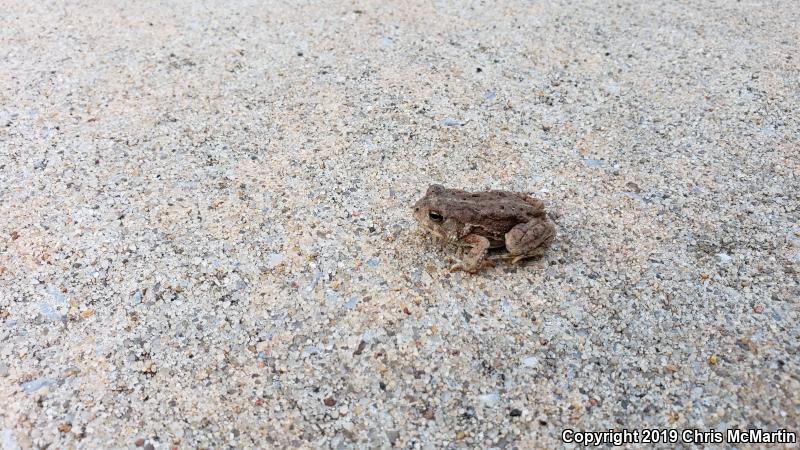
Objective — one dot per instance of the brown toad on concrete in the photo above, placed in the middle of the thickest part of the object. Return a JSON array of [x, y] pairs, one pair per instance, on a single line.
[[484, 220]]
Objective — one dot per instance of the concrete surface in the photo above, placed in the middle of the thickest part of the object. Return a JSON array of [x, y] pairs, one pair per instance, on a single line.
[[206, 240]]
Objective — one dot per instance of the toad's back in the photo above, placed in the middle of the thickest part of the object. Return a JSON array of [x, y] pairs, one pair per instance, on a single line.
[[496, 210]]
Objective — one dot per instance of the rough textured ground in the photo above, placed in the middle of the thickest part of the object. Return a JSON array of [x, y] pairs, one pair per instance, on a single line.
[[206, 240]]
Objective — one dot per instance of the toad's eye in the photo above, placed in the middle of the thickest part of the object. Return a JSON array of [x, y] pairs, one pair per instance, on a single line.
[[435, 216]]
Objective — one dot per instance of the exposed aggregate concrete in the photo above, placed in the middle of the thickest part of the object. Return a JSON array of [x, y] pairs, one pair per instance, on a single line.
[[205, 235]]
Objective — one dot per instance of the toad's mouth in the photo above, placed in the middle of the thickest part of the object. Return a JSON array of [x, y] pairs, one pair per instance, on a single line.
[[448, 239], [432, 230], [425, 225]]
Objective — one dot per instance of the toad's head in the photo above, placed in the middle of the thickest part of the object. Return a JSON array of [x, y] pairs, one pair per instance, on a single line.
[[431, 211]]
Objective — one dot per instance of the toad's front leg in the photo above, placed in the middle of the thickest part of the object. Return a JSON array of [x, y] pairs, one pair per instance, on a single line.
[[474, 259]]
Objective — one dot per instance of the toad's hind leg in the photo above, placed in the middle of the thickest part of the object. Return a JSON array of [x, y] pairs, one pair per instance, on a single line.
[[530, 239]]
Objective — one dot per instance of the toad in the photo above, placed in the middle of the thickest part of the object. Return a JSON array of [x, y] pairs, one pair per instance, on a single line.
[[486, 220]]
